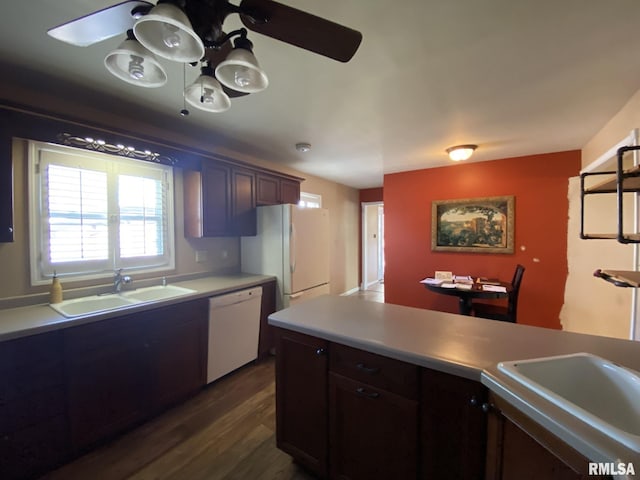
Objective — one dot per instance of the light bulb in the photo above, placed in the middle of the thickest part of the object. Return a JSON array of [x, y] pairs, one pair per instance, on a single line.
[[136, 70], [207, 96], [170, 35], [243, 77]]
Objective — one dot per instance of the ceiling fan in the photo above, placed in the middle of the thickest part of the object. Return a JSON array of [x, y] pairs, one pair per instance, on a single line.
[[191, 31]]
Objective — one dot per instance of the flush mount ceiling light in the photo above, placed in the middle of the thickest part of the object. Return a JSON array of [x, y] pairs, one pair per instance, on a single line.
[[191, 31], [133, 63], [461, 152]]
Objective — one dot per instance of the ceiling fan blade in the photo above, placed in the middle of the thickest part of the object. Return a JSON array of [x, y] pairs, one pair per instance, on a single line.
[[300, 28], [99, 25], [215, 56]]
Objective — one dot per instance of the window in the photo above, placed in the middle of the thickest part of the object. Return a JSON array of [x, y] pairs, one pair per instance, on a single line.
[[91, 213], [310, 200]]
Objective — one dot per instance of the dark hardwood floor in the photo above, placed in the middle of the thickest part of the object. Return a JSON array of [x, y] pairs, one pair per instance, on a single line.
[[226, 432]]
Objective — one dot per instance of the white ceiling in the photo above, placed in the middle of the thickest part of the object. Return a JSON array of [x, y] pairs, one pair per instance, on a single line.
[[516, 77]]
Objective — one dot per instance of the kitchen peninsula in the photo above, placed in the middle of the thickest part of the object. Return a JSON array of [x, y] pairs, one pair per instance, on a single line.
[[368, 390]]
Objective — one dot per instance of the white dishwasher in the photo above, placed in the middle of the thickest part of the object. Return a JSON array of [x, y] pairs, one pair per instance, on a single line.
[[234, 328]]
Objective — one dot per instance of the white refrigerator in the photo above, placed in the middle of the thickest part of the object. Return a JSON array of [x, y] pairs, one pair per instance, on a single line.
[[292, 244]]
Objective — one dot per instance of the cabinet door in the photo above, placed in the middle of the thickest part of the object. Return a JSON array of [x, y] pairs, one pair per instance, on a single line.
[[33, 429], [301, 399], [6, 183], [289, 191], [216, 198], [266, 342], [267, 190], [517, 447], [453, 426], [243, 203], [107, 381], [373, 432], [177, 336]]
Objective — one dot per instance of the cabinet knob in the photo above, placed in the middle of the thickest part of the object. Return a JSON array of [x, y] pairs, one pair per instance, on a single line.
[[474, 401], [486, 407], [321, 351], [10, 229]]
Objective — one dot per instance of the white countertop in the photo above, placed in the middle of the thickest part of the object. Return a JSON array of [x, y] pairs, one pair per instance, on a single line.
[[29, 320], [468, 347]]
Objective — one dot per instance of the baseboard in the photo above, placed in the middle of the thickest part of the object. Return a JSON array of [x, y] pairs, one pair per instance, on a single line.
[[350, 292]]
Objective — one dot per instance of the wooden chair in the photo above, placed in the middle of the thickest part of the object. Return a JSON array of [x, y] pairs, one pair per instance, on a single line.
[[505, 313]]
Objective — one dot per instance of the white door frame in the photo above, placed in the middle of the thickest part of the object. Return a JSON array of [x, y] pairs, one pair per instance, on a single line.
[[364, 253]]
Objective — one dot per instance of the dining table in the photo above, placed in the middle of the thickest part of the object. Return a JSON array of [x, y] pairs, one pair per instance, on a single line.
[[466, 292]]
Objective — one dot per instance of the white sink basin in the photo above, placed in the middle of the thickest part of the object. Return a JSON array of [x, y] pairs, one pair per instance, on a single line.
[[93, 304], [597, 391], [101, 303], [158, 292]]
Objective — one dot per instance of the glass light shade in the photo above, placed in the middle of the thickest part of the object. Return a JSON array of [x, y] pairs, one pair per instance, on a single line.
[[134, 64], [206, 94], [168, 33], [240, 72], [461, 152]]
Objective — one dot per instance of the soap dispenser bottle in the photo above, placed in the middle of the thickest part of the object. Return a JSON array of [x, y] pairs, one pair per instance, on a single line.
[[55, 294]]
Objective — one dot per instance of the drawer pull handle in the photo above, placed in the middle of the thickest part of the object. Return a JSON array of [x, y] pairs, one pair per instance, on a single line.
[[370, 370], [361, 391]]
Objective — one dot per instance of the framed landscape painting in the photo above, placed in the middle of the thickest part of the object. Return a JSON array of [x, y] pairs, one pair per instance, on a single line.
[[479, 225]]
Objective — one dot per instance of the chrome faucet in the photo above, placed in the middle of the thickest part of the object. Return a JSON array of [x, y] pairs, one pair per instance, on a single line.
[[119, 279]]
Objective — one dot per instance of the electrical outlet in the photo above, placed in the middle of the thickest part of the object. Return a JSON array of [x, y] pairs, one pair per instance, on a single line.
[[201, 256]]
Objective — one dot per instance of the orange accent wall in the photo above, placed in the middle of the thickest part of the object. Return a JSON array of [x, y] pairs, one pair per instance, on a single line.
[[371, 194], [539, 184]]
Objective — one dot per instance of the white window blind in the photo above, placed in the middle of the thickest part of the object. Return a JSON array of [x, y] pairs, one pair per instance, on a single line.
[[92, 213]]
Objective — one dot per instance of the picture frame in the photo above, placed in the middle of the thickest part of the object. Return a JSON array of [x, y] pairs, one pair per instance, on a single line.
[[475, 225]]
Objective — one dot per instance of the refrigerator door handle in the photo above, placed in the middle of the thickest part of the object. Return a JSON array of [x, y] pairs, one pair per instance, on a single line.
[[292, 249], [293, 296]]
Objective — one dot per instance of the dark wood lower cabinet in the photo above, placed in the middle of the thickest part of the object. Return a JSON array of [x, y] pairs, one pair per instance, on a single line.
[[33, 429], [519, 448], [301, 399], [124, 370], [453, 427], [373, 432], [385, 419]]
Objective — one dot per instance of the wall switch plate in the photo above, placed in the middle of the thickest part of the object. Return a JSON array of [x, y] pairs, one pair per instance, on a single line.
[[201, 256]]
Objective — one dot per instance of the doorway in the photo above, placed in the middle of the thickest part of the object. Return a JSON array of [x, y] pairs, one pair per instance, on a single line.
[[372, 246]]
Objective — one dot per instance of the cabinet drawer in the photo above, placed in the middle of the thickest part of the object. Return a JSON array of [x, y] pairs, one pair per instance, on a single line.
[[392, 375]]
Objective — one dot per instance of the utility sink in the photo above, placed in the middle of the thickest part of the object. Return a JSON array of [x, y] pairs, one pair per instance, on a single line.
[[595, 390], [101, 303]]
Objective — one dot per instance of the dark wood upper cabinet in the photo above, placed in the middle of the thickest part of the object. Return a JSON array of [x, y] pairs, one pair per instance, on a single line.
[[220, 200], [289, 191], [267, 189], [243, 202], [6, 183], [274, 190]]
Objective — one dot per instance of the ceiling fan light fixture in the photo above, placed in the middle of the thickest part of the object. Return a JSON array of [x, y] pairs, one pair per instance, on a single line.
[[461, 152], [132, 63], [240, 71], [168, 33], [207, 94]]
